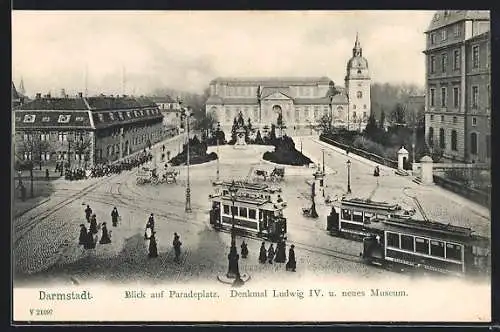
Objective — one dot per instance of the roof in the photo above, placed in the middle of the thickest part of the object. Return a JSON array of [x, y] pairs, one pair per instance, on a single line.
[[15, 94], [273, 81], [340, 98], [267, 91], [52, 104], [368, 204], [35, 119], [164, 99], [446, 17]]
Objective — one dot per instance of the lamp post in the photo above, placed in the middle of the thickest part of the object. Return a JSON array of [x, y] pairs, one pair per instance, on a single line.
[[348, 176], [217, 138], [232, 192], [323, 152], [188, 189]]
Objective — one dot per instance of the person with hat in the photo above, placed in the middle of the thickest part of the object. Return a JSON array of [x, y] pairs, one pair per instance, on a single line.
[[114, 216], [93, 224], [151, 222], [105, 237], [88, 213], [270, 254], [263, 253], [280, 252], [292, 264], [153, 246], [90, 242], [83, 234], [244, 250], [177, 247]]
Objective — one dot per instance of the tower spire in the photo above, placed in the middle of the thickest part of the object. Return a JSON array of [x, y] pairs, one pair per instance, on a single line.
[[21, 87], [357, 50]]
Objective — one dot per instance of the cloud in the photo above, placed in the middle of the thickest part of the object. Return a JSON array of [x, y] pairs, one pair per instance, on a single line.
[[185, 50]]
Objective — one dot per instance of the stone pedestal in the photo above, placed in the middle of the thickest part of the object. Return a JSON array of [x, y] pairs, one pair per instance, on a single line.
[[426, 172], [402, 156]]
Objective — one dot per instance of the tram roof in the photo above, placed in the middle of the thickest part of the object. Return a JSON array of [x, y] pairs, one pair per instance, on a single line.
[[366, 203], [246, 185]]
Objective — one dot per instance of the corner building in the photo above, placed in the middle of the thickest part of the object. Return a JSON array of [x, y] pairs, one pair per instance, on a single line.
[[458, 74], [302, 101]]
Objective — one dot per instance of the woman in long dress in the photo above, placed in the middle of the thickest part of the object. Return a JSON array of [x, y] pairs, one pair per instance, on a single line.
[[292, 264], [83, 234], [105, 238], [153, 248], [270, 254], [93, 224], [263, 253]]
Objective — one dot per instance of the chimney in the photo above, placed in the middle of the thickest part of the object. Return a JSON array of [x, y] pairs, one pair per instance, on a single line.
[[80, 94], [48, 95], [38, 95]]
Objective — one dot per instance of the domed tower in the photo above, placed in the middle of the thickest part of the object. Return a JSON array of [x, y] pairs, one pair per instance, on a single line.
[[357, 83]]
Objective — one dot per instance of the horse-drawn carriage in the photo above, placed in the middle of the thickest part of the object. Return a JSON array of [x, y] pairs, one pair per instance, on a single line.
[[277, 174], [150, 175]]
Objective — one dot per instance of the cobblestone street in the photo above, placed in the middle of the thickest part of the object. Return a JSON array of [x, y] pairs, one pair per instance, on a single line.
[[46, 238]]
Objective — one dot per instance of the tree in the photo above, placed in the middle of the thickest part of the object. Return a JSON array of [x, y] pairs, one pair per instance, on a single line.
[[332, 92], [325, 123], [258, 138], [272, 134], [81, 147], [259, 101], [34, 148], [240, 121], [371, 129], [398, 114], [249, 125], [382, 119], [233, 131]]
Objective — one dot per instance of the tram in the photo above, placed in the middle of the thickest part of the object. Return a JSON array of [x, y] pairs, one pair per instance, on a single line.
[[355, 214], [254, 208], [406, 243]]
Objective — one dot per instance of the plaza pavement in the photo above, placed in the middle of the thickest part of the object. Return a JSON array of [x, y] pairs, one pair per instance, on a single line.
[[46, 250]]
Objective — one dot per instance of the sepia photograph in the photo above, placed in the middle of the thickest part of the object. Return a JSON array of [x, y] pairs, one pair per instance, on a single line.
[[251, 166]]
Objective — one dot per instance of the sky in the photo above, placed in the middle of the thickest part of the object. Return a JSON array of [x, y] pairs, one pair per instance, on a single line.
[[137, 52]]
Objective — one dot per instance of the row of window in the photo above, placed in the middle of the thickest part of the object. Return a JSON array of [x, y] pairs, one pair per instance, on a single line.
[[443, 34], [424, 246], [453, 139], [357, 216], [63, 118], [456, 97], [241, 212], [111, 116], [456, 60], [46, 156], [61, 136], [455, 120]]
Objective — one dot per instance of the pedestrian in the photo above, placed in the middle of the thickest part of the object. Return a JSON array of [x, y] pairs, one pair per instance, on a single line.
[[89, 243], [153, 247], [263, 253], [47, 174], [270, 254], [280, 252], [292, 264], [114, 216], [23, 192], [163, 147], [105, 237], [151, 222], [83, 234], [88, 213], [177, 247], [244, 250], [93, 224]]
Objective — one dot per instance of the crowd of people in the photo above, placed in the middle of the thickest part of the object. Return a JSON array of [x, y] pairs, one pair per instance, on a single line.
[[88, 237], [101, 170], [150, 235], [278, 255]]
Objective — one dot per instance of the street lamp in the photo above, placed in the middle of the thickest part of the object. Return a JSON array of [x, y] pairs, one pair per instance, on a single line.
[[232, 192], [217, 138], [323, 152], [348, 176], [186, 113]]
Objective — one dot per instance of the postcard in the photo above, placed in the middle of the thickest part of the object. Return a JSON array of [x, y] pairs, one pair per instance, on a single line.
[[251, 166]]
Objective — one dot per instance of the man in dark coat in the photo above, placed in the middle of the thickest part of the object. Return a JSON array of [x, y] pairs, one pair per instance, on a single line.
[[83, 234], [93, 224], [153, 247], [280, 252], [292, 264], [270, 254], [90, 243], [88, 213], [244, 250], [114, 216], [263, 253], [177, 247], [105, 237], [151, 222]]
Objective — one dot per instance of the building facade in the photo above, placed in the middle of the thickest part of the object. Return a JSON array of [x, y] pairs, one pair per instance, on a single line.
[[458, 74], [171, 110], [302, 101], [85, 130]]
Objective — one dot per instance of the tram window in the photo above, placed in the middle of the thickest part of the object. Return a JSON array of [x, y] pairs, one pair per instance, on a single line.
[[437, 248], [422, 245], [368, 216], [453, 251], [225, 192], [357, 216], [392, 240], [252, 214], [226, 209], [234, 210], [243, 212], [407, 243], [346, 214]]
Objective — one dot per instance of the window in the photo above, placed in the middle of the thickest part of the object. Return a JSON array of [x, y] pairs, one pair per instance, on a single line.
[[442, 144], [455, 120], [46, 119], [243, 212], [392, 240], [453, 251], [488, 151], [475, 96], [346, 214], [456, 30], [444, 62], [443, 97], [79, 118], [432, 64], [437, 249], [432, 117], [432, 98], [359, 94], [454, 140], [442, 118], [456, 101], [226, 209], [473, 143], [252, 214], [368, 217], [475, 56], [474, 121], [364, 114], [433, 38], [62, 137], [456, 59], [111, 116], [407, 243], [422, 245], [444, 34], [357, 216], [354, 113]]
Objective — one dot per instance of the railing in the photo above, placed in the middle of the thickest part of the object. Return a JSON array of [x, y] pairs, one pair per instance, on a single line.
[[482, 197], [362, 153]]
